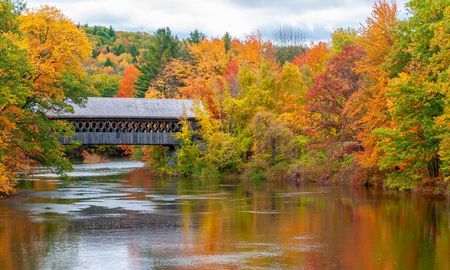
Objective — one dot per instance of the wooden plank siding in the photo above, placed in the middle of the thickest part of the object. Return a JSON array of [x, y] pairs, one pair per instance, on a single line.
[[115, 138]]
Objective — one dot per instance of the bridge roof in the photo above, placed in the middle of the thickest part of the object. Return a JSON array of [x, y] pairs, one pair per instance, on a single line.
[[101, 107]]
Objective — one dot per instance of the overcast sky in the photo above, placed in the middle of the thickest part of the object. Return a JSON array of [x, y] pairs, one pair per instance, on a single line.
[[315, 18]]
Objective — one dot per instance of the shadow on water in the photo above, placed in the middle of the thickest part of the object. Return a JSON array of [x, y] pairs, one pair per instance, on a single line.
[[119, 216]]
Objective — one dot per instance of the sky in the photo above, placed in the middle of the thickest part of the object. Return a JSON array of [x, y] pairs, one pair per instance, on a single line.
[[316, 19]]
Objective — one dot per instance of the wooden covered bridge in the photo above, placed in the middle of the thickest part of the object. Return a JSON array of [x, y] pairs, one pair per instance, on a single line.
[[133, 121]]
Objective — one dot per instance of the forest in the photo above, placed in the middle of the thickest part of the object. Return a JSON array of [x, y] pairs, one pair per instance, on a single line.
[[368, 107]]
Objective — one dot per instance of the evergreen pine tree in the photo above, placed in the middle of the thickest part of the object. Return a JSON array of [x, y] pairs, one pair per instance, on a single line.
[[163, 47]]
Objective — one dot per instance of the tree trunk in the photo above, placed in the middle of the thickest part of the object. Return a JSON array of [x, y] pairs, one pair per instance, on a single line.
[[273, 154], [433, 167]]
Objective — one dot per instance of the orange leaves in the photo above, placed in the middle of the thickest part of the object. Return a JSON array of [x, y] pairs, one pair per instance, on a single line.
[[370, 103], [378, 38], [253, 51], [129, 79], [215, 71], [200, 88], [313, 58], [210, 62]]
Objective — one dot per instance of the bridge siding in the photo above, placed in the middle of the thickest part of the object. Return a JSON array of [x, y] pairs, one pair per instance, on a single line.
[[133, 121], [130, 138]]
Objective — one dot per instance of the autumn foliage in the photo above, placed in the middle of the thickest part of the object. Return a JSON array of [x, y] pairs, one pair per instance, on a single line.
[[130, 76], [370, 105], [41, 67], [359, 108]]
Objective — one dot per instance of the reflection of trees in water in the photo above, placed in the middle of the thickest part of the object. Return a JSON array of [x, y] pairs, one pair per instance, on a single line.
[[275, 224], [38, 185], [27, 244], [368, 230], [141, 177], [402, 233]]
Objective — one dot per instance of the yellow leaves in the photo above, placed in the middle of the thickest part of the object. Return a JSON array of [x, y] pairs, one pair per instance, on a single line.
[[440, 43], [209, 125], [210, 57], [290, 79], [152, 93], [179, 68], [175, 75], [55, 46]]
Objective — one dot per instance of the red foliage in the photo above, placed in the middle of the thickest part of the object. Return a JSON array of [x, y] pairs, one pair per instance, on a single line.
[[337, 83], [231, 77], [330, 92]]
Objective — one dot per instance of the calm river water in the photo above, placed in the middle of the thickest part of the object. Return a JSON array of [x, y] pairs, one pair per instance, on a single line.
[[118, 216]]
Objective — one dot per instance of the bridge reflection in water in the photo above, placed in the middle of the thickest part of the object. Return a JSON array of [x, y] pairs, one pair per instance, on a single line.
[[133, 121]]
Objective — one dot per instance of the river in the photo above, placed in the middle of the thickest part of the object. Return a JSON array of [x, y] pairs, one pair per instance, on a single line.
[[118, 215]]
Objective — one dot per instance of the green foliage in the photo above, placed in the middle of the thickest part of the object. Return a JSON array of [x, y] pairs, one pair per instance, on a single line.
[[225, 153], [108, 63], [417, 97], [15, 70], [8, 15], [342, 37], [163, 47], [287, 53], [443, 123], [414, 142], [103, 35], [133, 50], [103, 85], [272, 139], [189, 159], [158, 158], [27, 94], [196, 36], [119, 49], [75, 89], [227, 41]]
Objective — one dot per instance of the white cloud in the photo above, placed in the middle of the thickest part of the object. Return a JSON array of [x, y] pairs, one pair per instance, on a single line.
[[215, 17]]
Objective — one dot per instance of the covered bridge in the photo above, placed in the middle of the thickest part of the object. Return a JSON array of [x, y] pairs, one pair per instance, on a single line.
[[134, 121]]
